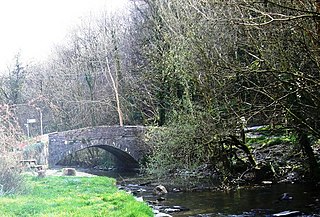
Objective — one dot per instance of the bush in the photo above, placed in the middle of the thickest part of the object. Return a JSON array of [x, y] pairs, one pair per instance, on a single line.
[[178, 146], [10, 138], [11, 182]]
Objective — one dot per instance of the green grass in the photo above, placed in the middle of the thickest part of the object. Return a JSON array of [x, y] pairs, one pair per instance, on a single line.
[[269, 141], [72, 196]]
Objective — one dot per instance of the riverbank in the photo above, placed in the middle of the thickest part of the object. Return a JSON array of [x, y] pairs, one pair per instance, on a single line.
[[56, 195]]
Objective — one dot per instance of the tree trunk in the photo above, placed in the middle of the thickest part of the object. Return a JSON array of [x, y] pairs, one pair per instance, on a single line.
[[317, 19], [116, 93], [244, 148], [308, 151], [161, 110]]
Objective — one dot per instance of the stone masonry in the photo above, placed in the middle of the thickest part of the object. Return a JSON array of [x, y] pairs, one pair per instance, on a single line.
[[126, 143]]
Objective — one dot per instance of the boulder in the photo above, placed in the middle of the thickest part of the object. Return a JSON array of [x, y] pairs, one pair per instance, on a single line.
[[69, 172], [285, 196], [160, 190]]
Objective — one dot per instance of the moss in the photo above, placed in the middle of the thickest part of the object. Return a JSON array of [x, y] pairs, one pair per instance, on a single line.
[[263, 141]]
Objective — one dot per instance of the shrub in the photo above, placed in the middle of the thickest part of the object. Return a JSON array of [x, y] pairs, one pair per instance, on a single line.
[[180, 146], [10, 135], [11, 182]]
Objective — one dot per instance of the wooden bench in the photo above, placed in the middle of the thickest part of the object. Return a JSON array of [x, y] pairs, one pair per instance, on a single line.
[[37, 167], [32, 164], [28, 162]]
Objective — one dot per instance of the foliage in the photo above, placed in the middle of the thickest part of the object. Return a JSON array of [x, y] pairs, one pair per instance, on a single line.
[[10, 179], [72, 196], [281, 38], [35, 151], [189, 144], [12, 85], [173, 150], [199, 68], [263, 140], [245, 59]]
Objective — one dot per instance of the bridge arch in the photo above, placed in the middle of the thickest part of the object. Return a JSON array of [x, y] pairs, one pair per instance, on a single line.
[[124, 159], [125, 143]]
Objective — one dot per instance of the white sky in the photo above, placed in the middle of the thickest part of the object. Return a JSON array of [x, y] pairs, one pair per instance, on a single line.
[[32, 27]]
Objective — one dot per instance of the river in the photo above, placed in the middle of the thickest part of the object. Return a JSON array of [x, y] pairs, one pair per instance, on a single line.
[[251, 201], [254, 201]]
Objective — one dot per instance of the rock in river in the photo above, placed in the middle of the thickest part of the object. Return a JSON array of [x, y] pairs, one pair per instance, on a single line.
[[160, 190]]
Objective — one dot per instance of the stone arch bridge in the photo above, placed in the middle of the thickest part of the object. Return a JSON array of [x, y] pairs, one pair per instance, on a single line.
[[125, 143]]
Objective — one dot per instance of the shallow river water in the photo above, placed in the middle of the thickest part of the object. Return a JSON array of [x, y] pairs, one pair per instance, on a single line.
[[258, 201], [253, 201]]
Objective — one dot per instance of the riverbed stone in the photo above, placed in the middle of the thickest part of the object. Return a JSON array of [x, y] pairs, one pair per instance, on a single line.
[[161, 214], [172, 210], [160, 190], [287, 214]]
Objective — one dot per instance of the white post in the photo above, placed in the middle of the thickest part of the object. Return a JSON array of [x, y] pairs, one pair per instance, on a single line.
[[41, 126], [28, 132]]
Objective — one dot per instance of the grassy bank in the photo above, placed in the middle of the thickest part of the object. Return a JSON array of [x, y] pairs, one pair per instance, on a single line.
[[72, 196]]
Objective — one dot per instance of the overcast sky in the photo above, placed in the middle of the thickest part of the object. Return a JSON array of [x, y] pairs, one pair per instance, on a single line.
[[32, 27]]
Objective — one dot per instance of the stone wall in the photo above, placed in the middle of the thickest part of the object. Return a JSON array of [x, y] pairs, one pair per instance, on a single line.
[[126, 143]]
